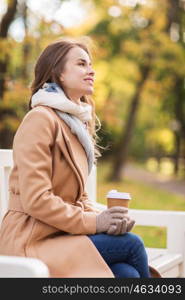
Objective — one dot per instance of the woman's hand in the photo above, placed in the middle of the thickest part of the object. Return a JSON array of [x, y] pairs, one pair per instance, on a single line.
[[122, 226], [119, 228], [130, 224], [110, 217]]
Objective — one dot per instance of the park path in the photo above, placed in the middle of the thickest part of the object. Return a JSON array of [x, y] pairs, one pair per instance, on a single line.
[[169, 184]]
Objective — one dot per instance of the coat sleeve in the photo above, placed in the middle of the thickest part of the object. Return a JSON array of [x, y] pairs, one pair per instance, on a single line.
[[32, 153], [88, 204]]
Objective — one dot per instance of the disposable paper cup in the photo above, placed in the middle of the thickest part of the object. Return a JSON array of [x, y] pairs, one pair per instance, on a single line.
[[115, 198]]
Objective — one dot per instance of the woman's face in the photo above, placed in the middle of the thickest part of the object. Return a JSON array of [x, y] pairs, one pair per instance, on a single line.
[[77, 77]]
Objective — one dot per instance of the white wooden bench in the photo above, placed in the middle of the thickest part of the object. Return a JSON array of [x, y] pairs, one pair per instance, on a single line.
[[170, 262]]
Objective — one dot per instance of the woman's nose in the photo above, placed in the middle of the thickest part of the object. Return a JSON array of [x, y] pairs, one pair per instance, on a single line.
[[91, 71]]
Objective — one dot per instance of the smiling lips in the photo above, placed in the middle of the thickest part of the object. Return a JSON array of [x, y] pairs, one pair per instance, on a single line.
[[89, 79]]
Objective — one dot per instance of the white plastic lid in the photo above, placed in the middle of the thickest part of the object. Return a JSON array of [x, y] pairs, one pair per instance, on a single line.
[[118, 195]]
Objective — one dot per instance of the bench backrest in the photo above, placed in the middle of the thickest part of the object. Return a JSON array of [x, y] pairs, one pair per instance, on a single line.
[[6, 164]]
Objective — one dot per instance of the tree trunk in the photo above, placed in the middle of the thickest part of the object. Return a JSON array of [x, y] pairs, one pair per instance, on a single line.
[[6, 135], [3, 69], [6, 138], [179, 115], [4, 26], [175, 16], [177, 153], [26, 45], [121, 153]]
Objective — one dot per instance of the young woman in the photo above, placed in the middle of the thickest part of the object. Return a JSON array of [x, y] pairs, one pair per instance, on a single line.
[[50, 216]]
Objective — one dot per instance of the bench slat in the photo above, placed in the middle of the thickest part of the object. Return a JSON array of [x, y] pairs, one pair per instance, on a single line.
[[167, 261], [154, 253], [168, 264]]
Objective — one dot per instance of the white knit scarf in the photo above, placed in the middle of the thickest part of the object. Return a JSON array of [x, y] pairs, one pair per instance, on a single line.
[[74, 115]]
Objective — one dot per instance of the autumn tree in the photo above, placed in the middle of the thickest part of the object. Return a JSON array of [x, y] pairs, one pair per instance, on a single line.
[[139, 36]]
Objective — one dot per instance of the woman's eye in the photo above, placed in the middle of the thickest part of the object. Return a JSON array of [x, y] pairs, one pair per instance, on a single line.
[[81, 64]]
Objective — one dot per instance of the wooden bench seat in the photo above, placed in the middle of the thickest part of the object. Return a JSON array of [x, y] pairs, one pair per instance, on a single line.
[[168, 264]]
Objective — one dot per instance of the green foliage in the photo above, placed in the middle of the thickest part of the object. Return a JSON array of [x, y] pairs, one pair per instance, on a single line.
[[16, 103], [124, 45]]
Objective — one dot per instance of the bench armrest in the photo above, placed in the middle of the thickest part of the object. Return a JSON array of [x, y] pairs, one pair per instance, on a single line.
[[16, 266]]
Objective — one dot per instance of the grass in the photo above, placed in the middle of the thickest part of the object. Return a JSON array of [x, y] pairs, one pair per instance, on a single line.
[[143, 197]]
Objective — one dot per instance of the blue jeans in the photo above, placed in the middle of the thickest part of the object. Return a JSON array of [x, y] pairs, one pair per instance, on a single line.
[[125, 254]]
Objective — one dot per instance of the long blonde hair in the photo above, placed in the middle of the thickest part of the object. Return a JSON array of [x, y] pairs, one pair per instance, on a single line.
[[48, 68]]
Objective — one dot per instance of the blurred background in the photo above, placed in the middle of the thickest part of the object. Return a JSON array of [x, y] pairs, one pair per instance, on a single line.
[[139, 58]]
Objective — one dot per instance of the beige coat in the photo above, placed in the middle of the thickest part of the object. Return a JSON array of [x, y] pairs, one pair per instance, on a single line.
[[49, 214]]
